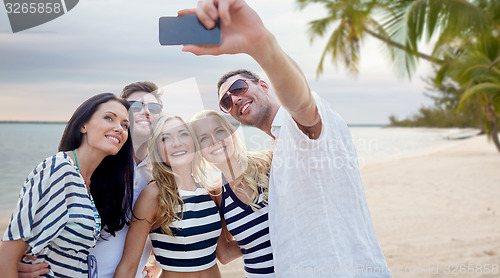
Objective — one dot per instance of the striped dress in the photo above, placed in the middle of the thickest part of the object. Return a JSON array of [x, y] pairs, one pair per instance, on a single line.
[[192, 248], [251, 230], [56, 217]]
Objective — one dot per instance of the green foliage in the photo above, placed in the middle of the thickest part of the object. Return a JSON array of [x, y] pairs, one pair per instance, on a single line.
[[443, 113], [474, 69], [401, 25], [350, 21], [466, 51]]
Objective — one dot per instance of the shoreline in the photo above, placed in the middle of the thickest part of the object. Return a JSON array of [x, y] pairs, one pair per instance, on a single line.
[[433, 210], [447, 144]]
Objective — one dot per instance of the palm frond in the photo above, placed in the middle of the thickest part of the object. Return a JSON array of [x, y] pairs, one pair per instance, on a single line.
[[483, 89], [318, 27], [415, 23], [379, 28], [333, 46]]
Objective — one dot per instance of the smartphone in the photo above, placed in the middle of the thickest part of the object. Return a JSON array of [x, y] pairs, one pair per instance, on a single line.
[[187, 29]]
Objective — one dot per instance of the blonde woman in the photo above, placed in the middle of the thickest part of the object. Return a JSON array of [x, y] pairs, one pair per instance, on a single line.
[[242, 200], [179, 215]]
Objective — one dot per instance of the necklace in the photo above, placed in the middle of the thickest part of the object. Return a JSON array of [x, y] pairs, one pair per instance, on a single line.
[[97, 217], [76, 160]]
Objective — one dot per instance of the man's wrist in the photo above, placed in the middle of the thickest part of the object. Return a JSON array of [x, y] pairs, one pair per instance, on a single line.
[[265, 49]]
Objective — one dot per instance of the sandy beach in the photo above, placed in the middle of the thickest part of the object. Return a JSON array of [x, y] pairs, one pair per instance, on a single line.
[[436, 213]]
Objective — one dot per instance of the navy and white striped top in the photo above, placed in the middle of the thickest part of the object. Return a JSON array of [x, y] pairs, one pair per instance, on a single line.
[[56, 218], [251, 230], [192, 248]]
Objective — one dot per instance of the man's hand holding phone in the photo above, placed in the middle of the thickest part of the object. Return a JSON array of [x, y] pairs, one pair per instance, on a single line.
[[187, 29], [242, 30]]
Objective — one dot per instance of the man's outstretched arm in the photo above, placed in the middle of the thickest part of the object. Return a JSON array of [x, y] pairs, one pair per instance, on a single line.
[[244, 32]]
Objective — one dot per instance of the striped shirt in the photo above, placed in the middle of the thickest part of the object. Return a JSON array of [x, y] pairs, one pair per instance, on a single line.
[[55, 216], [192, 248], [251, 230]]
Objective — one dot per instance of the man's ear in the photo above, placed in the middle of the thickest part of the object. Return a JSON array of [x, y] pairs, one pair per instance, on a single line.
[[264, 85]]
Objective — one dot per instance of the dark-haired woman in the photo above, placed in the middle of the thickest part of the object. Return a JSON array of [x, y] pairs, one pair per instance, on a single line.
[[56, 218]]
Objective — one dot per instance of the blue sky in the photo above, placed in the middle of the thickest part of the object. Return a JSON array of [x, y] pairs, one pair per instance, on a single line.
[[100, 46]]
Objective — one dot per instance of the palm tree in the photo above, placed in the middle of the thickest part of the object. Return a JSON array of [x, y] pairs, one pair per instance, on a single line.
[[414, 21], [475, 70], [353, 19], [407, 21], [472, 61], [471, 29]]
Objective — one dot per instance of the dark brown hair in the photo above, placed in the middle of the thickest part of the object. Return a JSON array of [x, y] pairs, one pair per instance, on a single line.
[[112, 181], [243, 72], [141, 86]]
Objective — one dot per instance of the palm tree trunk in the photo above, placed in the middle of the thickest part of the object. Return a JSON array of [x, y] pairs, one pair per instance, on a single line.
[[402, 47], [492, 119], [494, 63], [494, 135]]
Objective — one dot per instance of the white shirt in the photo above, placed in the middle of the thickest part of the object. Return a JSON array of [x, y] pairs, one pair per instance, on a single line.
[[320, 225], [109, 252]]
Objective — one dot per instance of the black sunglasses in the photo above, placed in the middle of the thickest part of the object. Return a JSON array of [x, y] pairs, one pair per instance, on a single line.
[[153, 107], [238, 87]]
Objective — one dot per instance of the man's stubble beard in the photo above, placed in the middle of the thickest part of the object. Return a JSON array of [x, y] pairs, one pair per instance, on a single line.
[[263, 115]]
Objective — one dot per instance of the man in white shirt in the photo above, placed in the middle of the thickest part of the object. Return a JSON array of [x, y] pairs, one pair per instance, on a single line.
[[320, 225], [145, 107]]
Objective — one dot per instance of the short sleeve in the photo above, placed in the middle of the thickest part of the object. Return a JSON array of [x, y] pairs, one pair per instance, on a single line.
[[42, 211], [334, 135], [298, 136]]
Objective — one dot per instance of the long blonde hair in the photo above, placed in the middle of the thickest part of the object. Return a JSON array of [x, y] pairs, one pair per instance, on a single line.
[[170, 201], [256, 174]]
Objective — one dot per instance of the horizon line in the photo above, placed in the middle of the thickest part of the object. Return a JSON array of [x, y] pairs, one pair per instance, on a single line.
[[65, 122]]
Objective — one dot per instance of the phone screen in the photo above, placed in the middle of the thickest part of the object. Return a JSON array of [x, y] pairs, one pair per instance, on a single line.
[[186, 29]]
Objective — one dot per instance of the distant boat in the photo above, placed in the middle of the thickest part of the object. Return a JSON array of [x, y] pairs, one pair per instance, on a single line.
[[457, 134]]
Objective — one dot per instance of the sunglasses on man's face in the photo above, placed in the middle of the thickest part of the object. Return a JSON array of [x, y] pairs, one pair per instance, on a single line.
[[238, 87], [153, 107]]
